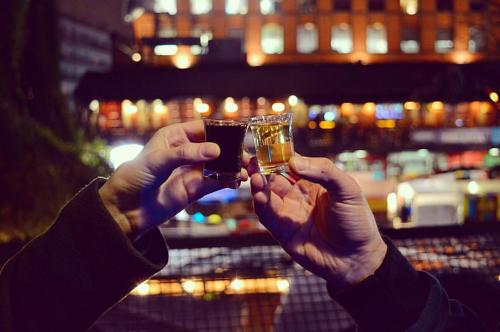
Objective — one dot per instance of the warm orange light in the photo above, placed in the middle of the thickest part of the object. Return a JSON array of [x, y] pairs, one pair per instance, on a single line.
[[461, 57], [437, 105], [369, 107], [312, 124], [255, 59], [347, 109], [386, 123], [230, 106], [200, 106], [183, 59], [411, 105], [278, 107], [327, 124]]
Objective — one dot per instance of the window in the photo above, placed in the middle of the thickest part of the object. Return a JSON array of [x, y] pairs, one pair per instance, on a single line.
[[204, 33], [409, 7], [342, 5], [477, 5], [477, 39], [341, 40], [376, 5], [376, 38], [307, 38], [444, 40], [200, 7], [306, 6], [165, 6], [238, 33], [410, 42], [272, 39], [444, 5], [236, 7], [166, 28], [270, 6]]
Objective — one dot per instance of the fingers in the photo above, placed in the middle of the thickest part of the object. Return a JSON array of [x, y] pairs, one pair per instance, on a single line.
[[162, 162], [322, 171], [266, 203]]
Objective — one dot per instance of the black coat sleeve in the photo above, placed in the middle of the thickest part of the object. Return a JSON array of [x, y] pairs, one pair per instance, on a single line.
[[398, 298], [66, 278]]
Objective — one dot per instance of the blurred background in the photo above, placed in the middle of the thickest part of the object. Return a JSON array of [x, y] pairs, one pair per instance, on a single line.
[[402, 94]]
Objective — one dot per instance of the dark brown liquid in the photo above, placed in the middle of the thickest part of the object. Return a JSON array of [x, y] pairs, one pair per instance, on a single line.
[[230, 140]]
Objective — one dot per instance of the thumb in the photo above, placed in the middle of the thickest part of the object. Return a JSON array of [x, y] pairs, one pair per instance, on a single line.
[[322, 171]]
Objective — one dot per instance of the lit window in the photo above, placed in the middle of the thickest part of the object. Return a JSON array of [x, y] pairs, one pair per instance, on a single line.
[[477, 5], [444, 5], [341, 41], [306, 6], [342, 5], [166, 6], [376, 38], [410, 42], [409, 7], [200, 7], [444, 40], [204, 33], [376, 5], [477, 39], [165, 30], [236, 7], [307, 38], [272, 41], [270, 6]]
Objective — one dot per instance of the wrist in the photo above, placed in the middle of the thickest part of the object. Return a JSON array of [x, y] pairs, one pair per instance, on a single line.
[[362, 265], [111, 203]]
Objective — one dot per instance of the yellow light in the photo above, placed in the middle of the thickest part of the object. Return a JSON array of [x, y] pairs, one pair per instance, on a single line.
[[189, 286], [293, 100], [94, 105], [283, 285], [142, 289], [255, 59], [392, 204], [437, 105], [261, 101], [386, 123], [237, 284], [158, 107], [473, 187], [312, 124], [278, 107], [327, 124], [369, 107], [461, 57], [494, 97], [128, 107], [214, 219], [230, 106], [309, 26], [183, 61], [347, 108], [136, 57], [411, 105], [200, 106]]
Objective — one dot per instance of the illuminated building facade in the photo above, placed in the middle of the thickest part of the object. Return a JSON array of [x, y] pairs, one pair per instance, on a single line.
[[312, 31]]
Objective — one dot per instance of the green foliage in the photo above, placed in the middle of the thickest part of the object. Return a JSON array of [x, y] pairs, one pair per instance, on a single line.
[[44, 158]]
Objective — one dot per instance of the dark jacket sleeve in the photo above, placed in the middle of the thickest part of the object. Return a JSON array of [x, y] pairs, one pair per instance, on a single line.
[[398, 298], [66, 278]]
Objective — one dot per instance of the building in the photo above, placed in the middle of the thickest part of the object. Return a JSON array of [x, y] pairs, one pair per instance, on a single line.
[[312, 31]]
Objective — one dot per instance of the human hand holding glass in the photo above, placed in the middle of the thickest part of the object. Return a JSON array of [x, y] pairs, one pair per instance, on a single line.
[[322, 220]]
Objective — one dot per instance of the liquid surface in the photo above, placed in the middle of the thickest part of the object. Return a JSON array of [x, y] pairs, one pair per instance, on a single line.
[[273, 144]]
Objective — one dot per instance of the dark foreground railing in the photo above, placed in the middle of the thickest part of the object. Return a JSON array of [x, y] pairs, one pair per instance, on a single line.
[[247, 283]]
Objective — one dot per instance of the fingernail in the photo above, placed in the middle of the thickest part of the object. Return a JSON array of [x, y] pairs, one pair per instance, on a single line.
[[299, 163], [210, 150]]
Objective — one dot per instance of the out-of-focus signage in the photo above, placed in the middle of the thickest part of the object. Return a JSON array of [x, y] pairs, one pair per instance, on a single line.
[[389, 111], [457, 136]]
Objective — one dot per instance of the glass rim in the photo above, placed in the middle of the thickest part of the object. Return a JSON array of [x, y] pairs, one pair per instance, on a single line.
[[271, 118], [226, 121]]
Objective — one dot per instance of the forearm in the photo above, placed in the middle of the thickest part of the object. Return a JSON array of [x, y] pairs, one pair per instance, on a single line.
[[66, 278], [398, 298]]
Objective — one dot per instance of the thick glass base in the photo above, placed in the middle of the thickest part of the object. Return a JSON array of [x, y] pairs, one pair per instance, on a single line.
[[269, 169], [230, 180]]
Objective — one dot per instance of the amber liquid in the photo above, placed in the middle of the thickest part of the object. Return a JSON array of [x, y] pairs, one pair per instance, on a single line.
[[273, 145]]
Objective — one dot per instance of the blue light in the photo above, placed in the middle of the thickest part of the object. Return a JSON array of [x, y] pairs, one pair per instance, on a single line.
[[329, 116], [198, 217]]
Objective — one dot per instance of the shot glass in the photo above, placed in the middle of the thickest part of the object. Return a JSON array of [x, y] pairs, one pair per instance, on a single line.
[[229, 136], [273, 142]]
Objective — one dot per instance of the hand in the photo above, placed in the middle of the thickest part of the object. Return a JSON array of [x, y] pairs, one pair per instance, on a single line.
[[323, 221], [162, 180]]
